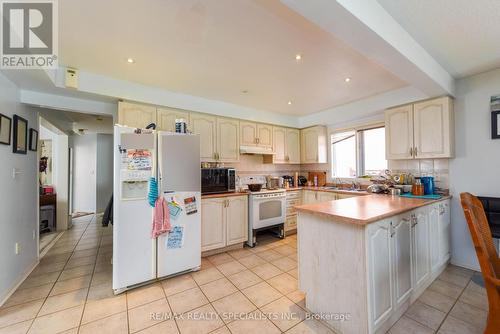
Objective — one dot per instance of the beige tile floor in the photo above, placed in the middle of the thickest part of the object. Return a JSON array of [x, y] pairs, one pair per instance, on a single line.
[[70, 292]]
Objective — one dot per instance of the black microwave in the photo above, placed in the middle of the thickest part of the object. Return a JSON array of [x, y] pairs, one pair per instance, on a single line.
[[218, 180]]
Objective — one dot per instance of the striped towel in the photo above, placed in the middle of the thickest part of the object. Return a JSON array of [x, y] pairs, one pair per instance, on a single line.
[[161, 218]]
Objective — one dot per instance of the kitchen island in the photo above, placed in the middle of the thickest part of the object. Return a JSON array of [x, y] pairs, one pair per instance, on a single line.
[[363, 260]]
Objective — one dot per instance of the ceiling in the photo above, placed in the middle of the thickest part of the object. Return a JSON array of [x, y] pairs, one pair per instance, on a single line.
[[71, 121], [462, 35], [217, 50]]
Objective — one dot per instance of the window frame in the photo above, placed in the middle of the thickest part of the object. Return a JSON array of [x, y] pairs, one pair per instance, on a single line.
[[359, 144]]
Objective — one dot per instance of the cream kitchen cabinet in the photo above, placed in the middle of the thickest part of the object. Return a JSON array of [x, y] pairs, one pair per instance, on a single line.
[[286, 146], [389, 259], [224, 221], [444, 232], [236, 220], [399, 133], [423, 130], [279, 145], [136, 115], [248, 133], [166, 118], [256, 134], [421, 247], [433, 129], [313, 145], [380, 258], [292, 146], [265, 136], [228, 133], [213, 226], [205, 126]]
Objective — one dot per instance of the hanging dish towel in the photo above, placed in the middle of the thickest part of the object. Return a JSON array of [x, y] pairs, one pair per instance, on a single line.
[[161, 218]]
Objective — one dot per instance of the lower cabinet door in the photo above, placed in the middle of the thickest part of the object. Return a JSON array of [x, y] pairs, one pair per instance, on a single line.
[[421, 246], [401, 235], [379, 255], [309, 196], [236, 220], [433, 217], [213, 226], [444, 223]]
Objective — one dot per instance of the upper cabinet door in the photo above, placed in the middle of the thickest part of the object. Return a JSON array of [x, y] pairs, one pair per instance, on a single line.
[[279, 145], [205, 126], [166, 118], [228, 133], [433, 129], [292, 145], [248, 134], [399, 133], [136, 115], [265, 135], [313, 146]]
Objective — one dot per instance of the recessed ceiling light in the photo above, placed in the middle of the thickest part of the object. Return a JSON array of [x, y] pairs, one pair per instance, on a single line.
[[289, 102], [347, 79], [244, 91], [130, 60], [298, 56]]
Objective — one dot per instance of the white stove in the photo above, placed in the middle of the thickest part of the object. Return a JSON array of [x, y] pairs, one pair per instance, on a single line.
[[266, 210]]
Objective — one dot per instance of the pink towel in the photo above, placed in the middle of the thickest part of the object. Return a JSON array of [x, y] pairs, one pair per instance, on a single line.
[[161, 218]]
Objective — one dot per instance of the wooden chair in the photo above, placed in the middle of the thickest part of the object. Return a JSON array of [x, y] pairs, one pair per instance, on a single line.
[[487, 256]]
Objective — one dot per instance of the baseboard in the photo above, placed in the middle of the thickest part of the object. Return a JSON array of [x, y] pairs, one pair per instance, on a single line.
[[18, 284], [466, 266], [51, 244]]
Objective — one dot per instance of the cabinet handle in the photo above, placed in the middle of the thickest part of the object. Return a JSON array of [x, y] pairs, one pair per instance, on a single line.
[[416, 151], [391, 229], [258, 140], [411, 151]]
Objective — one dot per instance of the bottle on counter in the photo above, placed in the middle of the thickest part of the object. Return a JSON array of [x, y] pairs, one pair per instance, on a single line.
[[296, 179], [315, 180], [417, 188]]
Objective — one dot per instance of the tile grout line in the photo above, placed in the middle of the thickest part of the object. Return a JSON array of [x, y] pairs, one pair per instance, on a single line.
[[93, 272], [45, 299]]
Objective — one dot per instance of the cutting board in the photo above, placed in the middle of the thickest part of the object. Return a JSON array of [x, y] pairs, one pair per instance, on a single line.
[[321, 178]]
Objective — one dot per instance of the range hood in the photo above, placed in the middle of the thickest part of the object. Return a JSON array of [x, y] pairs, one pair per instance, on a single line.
[[256, 150]]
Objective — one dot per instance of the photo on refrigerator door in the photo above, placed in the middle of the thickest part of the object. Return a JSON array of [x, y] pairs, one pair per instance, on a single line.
[[190, 205]]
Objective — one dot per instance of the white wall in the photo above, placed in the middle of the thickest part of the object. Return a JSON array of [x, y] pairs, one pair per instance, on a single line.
[[476, 166], [18, 199], [84, 172], [104, 177]]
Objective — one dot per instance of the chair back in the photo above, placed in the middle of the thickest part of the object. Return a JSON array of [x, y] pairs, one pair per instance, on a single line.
[[485, 250]]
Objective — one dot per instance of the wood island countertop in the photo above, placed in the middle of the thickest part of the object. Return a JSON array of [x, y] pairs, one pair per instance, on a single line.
[[363, 210]]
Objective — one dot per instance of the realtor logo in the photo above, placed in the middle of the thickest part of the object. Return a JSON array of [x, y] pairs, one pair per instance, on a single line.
[[29, 34]]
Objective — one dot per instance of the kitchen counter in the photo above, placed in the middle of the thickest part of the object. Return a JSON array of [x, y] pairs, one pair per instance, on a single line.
[[243, 193], [338, 191], [369, 257], [366, 209]]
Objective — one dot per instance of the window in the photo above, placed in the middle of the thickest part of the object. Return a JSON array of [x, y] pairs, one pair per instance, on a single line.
[[358, 152]]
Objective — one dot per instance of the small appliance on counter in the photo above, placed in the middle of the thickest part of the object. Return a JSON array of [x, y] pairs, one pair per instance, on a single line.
[[289, 179], [272, 182], [302, 181], [218, 180]]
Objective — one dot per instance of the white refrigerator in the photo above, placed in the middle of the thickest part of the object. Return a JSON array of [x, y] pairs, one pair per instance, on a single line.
[[174, 159]]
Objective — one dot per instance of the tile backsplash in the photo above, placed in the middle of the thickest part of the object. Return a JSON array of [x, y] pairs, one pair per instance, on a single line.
[[439, 168]]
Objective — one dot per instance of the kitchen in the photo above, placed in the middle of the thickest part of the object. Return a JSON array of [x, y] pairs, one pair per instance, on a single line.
[[278, 167]]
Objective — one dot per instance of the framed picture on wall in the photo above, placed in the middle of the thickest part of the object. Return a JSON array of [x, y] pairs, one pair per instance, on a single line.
[[495, 121], [33, 140], [20, 135], [5, 126]]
